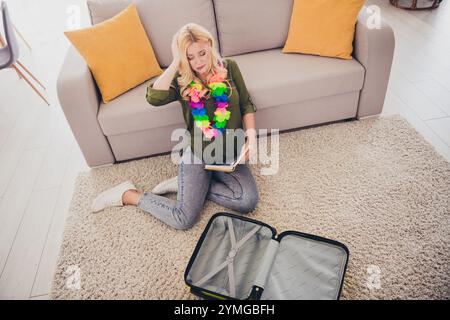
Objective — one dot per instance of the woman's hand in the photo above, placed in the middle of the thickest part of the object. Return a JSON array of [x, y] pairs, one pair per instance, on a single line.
[[251, 145], [175, 50], [250, 134]]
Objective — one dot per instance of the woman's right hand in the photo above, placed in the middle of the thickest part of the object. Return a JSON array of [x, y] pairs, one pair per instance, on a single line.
[[175, 50]]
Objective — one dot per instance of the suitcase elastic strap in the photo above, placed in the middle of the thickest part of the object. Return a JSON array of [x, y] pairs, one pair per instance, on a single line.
[[235, 246]]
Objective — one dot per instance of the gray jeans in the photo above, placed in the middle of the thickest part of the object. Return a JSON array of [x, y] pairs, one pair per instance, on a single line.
[[236, 190]]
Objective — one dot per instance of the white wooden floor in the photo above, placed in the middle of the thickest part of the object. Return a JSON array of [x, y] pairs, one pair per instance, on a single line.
[[39, 158]]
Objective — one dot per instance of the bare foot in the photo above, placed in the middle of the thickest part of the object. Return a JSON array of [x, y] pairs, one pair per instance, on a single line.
[[131, 197]]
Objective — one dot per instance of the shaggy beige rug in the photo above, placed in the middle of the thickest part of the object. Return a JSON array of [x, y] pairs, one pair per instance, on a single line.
[[375, 185]]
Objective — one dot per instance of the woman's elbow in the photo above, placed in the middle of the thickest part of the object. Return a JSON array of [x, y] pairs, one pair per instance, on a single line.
[[155, 101]]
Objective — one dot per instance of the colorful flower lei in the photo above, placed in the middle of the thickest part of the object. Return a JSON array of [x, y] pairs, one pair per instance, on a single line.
[[197, 103]]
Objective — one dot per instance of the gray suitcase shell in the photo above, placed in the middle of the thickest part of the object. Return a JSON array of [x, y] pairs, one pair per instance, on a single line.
[[241, 258]]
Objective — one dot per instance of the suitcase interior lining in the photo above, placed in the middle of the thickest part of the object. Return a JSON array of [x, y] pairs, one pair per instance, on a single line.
[[295, 266], [215, 249], [305, 269]]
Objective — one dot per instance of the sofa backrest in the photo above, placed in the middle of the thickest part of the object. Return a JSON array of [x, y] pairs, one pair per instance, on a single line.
[[252, 25], [238, 26], [160, 18]]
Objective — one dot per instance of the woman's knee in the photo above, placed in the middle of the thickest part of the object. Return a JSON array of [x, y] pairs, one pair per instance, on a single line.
[[185, 218], [249, 201], [184, 224]]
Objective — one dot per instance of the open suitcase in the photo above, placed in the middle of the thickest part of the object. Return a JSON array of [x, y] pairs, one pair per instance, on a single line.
[[241, 258]]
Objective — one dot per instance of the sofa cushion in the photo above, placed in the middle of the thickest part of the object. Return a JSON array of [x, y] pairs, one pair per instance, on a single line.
[[325, 28], [161, 19], [248, 25], [283, 79], [117, 52], [274, 78], [131, 112]]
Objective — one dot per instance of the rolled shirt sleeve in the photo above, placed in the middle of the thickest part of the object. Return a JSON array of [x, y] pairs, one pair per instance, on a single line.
[[159, 97], [245, 100]]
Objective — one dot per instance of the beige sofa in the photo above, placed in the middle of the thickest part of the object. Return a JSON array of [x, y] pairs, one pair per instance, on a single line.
[[289, 90]]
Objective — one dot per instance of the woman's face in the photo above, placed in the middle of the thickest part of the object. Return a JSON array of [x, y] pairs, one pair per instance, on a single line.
[[199, 57]]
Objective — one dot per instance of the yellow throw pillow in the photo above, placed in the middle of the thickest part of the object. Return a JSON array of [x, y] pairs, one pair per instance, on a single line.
[[323, 27], [118, 52]]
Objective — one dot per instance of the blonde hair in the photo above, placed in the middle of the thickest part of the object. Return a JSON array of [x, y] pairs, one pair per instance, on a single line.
[[188, 34]]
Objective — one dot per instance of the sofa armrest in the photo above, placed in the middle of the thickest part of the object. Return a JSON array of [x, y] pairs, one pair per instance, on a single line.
[[374, 49], [78, 97]]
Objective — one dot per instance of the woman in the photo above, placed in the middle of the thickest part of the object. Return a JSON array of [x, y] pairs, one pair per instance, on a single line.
[[214, 98]]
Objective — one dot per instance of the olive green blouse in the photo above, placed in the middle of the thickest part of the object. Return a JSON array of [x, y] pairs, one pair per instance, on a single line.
[[239, 103]]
